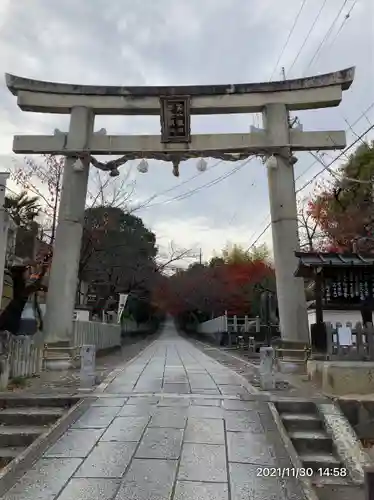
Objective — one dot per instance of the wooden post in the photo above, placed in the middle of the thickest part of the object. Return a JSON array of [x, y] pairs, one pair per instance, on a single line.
[[318, 296], [369, 483]]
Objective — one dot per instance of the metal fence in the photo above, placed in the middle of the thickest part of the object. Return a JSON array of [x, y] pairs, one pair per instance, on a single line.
[[348, 343]]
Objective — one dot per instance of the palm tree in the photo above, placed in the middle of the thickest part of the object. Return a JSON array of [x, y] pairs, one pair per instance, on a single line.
[[22, 208]]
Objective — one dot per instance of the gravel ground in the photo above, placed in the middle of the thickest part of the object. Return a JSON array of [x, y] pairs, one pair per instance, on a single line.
[[67, 382]]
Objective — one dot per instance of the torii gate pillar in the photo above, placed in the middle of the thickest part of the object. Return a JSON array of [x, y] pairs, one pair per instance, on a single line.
[[290, 290], [174, 105]]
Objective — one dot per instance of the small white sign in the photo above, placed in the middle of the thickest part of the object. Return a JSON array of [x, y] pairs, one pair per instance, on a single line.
[[121, 305], [345, 336]]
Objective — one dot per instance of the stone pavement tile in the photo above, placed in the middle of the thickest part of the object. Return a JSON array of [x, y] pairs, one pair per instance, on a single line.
[[267, 420], [226, 379], [247, 421], [172, 417], [143, 401], [90, 489], [44, 480], [136, 411], [249, 448], [75, 443], [177, 388], [206, 402], [293, 490], [182, 402], [107, 459], [246, 484], [125, 429], [110, 402], [205, 430], [118, 388], [203, 462], [235, 390], [96, 418], [161, 443], [208, 391], [202, 383], [236, 404], [148, 386], [148, 480], [201, 491], [205, 412]]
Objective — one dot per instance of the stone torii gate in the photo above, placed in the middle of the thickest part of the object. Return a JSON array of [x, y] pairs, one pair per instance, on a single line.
[[175, 105]]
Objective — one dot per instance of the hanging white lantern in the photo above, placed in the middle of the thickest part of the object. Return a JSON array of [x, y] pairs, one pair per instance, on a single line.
[[78, 165], [272, 162], [143, 167], [202, 165]]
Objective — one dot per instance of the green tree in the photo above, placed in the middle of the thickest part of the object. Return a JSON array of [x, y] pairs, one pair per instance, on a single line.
[[117, 254], [344, 209], [235, 254], [22, 208]]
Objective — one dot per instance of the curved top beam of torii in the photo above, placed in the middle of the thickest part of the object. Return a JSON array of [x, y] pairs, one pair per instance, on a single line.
[[344, 78], [301, 93]]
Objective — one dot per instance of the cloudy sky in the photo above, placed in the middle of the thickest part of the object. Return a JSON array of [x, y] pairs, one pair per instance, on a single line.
[[176, 42]]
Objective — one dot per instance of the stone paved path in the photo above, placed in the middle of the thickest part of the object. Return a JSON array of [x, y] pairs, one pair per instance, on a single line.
[[171, 425]]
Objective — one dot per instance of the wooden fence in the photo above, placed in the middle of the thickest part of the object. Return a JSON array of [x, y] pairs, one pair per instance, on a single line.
[[348, 343], [26, 352]]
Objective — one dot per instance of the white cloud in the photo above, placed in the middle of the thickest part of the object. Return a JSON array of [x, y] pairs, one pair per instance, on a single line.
[[172, 42]]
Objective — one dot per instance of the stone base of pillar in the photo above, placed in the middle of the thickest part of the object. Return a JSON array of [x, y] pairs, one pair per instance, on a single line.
[[58, 357], [292, 356]]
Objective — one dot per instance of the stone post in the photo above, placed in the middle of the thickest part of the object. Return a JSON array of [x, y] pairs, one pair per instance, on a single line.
[[290, 290], [267, 368], [4, 224], [62, 284]]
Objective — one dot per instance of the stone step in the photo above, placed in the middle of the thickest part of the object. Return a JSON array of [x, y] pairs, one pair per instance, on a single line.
[[301, 421], [341, 492], [319, 460], [30, 416], [311, 441], [38, 401], [9, 453], [296, 406], [322, 480], [14, 436]]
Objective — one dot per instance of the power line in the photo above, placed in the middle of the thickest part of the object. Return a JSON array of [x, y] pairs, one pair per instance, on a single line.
[[352, 125], [326, 167], [346, 17], [288, 37], [307, 36], [328, 33], [190, 193]]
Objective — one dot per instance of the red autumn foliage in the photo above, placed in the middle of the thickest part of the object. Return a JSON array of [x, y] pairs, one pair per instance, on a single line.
[[213, 289]]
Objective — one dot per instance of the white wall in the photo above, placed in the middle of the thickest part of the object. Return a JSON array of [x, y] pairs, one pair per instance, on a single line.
[[336, 316]]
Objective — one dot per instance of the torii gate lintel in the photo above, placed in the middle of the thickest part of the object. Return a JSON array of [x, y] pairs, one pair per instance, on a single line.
[[175, 105]]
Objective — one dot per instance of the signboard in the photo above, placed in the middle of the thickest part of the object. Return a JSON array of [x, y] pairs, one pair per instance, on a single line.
[[175, 119], [121, 305], [87, 372], [81, 315]]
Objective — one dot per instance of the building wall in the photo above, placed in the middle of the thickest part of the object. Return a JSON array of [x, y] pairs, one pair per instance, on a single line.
[[336, 316]]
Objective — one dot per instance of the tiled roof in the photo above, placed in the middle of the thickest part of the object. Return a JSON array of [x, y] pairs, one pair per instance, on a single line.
[[310, 260]]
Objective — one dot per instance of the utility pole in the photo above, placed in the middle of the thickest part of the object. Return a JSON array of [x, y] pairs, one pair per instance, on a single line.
[[200, 256]]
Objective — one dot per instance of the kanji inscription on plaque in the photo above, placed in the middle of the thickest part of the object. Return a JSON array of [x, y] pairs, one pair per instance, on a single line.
[[175, 119]]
